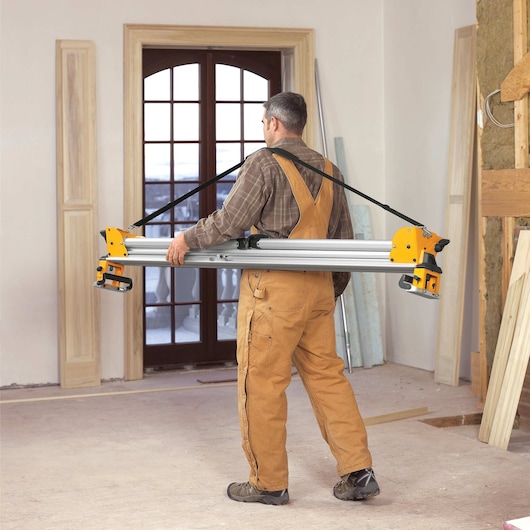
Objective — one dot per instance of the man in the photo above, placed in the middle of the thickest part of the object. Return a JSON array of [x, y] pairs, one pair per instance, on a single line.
[[287, 317]]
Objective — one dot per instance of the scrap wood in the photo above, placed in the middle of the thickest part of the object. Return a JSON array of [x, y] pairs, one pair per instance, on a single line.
[[455, 421], [394, 416]]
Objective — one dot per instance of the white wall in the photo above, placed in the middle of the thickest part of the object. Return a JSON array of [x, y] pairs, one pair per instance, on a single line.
[[349, 42], [418, 67], [385, 74]]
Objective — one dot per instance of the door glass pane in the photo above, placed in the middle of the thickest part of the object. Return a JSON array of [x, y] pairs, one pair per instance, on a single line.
[[227, 83], [187, 283], [186, 82], [255, 87], [227, 295], [186, 158], [156, 196], [187, 323], [227, 284], [187, 210], [157, 285], [156, 86], [157, 161], [180, 228], [157, 122], [186, 122], [227, 156], [157, 318], [226, 321], [252, 147], [253, 114], [227, 124], [158, 325], [158, 230]]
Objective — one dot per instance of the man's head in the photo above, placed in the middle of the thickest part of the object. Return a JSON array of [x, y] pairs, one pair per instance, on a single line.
[[285, 115]]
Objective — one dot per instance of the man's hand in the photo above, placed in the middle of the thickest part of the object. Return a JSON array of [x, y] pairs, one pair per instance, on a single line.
[[177, 249]]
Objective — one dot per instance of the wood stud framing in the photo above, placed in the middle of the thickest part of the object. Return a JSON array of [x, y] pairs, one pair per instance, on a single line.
[[506, 194]]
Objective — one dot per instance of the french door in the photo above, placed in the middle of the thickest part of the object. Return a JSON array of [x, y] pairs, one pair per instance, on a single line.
[[202, 115]]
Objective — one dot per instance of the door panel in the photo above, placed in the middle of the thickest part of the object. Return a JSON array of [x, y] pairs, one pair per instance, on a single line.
[[202, 115]]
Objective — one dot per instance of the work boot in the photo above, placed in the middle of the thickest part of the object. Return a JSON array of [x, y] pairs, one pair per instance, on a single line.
[[357, 486], [245, 492]]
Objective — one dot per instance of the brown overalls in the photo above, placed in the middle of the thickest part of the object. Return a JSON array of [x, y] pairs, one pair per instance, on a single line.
[[285, 318]]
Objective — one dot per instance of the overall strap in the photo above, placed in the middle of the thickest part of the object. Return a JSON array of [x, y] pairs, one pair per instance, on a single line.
[[314, 213]]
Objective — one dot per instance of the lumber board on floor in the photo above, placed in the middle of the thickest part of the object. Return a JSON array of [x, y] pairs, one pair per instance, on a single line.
[[461, 160], [479, 376], [394, 416], [500, 360], [510, 394], [505, 395], [455, 421]]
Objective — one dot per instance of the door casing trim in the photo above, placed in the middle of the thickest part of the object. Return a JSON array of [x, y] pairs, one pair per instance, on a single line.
[[297, 47]]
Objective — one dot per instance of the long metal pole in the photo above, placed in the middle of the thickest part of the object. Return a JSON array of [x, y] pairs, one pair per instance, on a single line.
[[347, 342]]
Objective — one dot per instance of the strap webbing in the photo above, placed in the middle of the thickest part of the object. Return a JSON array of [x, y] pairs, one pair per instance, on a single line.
[[289, 156], [294, 158], [172, 204]]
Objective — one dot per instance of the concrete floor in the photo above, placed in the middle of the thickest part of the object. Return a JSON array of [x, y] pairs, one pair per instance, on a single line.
[[159, 453]]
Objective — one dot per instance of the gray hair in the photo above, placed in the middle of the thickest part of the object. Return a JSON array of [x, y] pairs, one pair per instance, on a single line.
[[289, 108]]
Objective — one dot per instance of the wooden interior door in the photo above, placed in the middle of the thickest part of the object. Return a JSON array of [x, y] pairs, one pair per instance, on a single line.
[[202, 115]]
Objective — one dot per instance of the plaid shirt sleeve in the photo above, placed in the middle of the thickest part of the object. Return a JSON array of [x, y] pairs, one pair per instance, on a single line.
[[241, 209]]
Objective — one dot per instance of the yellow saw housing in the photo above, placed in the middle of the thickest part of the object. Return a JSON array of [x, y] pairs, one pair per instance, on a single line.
[[418, 246]]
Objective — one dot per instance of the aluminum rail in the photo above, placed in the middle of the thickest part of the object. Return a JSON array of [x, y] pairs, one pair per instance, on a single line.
[[279, 263], [274, 254], [135, 243]]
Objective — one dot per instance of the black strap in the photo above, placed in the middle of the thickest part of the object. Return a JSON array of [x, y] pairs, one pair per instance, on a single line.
[[294, 158], [289, 156], [172, 204]]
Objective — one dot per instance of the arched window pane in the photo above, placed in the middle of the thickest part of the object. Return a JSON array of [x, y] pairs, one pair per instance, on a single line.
[[186, 122], [156, 86], [156, 122], [186, 82], [227, 121], [227, 83], [255, 87]]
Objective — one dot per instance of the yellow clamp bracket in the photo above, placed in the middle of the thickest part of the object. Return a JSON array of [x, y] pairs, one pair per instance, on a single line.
[[115, 238], [110, 275], [419, 246]]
